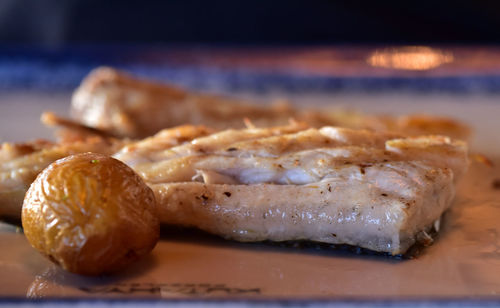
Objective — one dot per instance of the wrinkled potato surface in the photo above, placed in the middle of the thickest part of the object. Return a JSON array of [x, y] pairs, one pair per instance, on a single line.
[[91, 214]]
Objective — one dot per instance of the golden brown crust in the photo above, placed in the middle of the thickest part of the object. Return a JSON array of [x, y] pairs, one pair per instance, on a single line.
[[10, 151]]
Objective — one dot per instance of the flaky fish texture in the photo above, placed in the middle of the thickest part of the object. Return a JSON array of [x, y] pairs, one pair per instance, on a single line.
[[124, 106], [376, 190]]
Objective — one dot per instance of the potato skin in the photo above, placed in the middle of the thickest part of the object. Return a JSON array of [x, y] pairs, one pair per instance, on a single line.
[[91, 214]]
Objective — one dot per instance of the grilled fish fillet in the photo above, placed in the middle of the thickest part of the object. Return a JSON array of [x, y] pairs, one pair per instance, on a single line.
[[376, 190], [21, 163], [121, 105], [335, 185]]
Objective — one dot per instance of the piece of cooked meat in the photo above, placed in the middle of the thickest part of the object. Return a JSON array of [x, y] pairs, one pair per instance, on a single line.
[[21, 163], [370, 189], [124, 106], [69, 130], [128, 107]]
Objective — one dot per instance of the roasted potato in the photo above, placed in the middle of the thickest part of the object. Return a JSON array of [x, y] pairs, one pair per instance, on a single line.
[[91, 214]]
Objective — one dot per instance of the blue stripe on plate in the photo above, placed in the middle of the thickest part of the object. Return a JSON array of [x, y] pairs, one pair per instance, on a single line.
[[63, 69]]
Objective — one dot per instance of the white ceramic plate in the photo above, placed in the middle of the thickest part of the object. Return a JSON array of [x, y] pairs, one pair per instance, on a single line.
[[462, 264]]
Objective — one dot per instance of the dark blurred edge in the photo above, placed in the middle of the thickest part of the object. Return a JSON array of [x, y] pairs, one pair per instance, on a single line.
[[277, 22]]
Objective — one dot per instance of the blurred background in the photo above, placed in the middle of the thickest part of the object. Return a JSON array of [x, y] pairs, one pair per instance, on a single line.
[[255, 45], [278, 22], [223, 44]]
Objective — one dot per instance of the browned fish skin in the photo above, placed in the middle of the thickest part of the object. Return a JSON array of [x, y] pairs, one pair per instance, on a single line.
[[124, 106]]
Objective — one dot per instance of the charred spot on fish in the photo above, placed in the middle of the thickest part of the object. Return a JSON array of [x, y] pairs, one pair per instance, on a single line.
[[429, 177], [362, 168], [204, 197], [496, 184], [202, 150], [384, 195], [183, 139], [329, 188], [228, 194], [231, 149], [334, 235]]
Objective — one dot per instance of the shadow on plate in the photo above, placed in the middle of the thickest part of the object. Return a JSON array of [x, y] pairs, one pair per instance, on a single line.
[[180, 234], [53, 280]]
